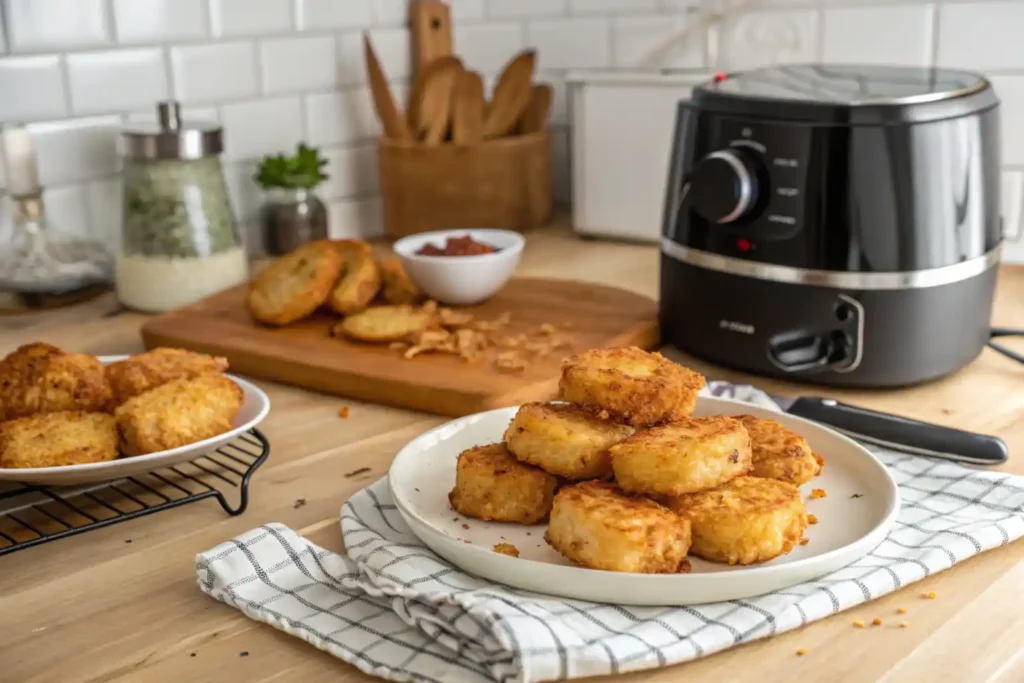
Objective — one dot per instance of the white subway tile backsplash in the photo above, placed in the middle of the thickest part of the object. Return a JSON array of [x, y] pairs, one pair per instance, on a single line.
[[140, 77], [35, 25], [66, 211], [250, 17], [633, 39], [766, 37], [340, 117], [151, 21], [320, 15], [103, 198], [611, 6], [560, 104], [356, 218], [275, 72], [291, 64], [32, 88], [981, 35], [488, 47], [570, 43], [258, 127], [352, 171], [74, 150], [214, 72], [507, 9], [1010, 90], [243, 191], [396, 12], [899, 34]]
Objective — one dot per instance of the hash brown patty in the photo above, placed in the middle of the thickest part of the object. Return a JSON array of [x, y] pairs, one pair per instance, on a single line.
[[57, 439], [564, 439], [692, 454], [490, 484], [633, 386], [779, 452], [178, 413], [596, 525], [746, 521], [41, 378], [294, 285]]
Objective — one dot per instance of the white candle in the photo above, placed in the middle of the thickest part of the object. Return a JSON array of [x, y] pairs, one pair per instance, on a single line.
[[20, 153]]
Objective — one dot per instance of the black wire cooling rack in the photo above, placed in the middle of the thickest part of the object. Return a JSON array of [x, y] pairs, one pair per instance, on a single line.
[[31, 515]]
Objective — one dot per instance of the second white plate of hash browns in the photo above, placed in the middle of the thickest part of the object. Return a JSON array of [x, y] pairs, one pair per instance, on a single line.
[[169, 412], [849, 508]]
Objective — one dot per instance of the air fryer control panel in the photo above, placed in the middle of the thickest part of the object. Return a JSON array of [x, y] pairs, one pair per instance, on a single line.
[[833, 197], [751, 191], [753, 179]]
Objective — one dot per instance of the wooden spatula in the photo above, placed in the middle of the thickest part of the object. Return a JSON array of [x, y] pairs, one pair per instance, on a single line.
[[511, 95], [431, 100], [468, 109], [538, 109], [431, 31], [391, 120], [424, 98]]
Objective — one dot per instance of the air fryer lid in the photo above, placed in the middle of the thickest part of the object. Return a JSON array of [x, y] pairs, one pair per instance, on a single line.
[[846, 93]]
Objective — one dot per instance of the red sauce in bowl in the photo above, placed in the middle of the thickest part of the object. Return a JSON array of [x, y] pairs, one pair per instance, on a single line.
[[457, 246]]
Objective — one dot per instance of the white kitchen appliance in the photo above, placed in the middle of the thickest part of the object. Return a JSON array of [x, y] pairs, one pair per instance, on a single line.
[[621, 120]]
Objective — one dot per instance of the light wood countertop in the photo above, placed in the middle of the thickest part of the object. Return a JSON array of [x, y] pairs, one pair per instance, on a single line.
[[121, 603]]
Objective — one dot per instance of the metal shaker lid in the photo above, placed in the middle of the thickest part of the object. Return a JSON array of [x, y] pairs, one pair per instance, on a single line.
[[171, 138]]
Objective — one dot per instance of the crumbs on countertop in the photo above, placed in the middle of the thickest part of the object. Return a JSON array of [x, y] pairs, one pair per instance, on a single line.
[[354, 473], [857, 623], [904, 624], [901, 610], [857, 495], [299, 502], [877, 621], [801, 652], [343, 412], [930, 595]]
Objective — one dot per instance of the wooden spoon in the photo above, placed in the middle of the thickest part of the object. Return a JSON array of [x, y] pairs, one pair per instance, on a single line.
[[511, 95], [431, 22], [536, 115], [468, 109], [430, 99], [391, 121]]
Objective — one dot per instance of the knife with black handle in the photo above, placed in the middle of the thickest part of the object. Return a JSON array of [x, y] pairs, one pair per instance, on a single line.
[[898, 433]]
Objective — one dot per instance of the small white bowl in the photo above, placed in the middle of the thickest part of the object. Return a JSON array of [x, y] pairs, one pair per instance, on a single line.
[[461, 280]]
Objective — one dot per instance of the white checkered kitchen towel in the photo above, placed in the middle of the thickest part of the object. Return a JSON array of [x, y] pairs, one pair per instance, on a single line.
[[395, 610]]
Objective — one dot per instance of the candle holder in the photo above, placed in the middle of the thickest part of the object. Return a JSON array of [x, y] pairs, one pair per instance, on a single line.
[[37, 259]]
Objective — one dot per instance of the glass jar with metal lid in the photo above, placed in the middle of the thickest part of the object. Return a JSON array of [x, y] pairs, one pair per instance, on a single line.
[[180, 240]]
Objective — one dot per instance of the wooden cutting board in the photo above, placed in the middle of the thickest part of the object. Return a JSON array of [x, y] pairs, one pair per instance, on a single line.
[[305, 355]]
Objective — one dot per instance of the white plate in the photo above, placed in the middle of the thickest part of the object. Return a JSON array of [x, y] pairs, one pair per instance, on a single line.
[[848, 528], [255, 407]]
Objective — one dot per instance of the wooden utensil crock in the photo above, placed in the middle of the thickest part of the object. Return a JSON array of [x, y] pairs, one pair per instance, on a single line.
[[500, 183]]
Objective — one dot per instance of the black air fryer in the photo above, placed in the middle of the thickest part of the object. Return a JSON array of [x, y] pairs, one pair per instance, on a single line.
[[834, 224]]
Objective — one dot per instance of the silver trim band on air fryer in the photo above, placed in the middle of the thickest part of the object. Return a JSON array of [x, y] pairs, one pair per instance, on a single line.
[[915, 279]]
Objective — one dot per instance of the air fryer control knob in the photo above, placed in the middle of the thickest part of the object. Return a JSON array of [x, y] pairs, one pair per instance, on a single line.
[[723, 185]]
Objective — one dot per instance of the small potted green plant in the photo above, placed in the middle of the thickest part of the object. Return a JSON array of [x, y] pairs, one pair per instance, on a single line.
[[291, 214]]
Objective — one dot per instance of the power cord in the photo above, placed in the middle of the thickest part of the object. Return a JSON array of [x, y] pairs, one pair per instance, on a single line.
[[1005, 332]]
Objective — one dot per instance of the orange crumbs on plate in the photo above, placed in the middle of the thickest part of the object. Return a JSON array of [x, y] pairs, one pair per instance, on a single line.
[[343, 412], [817, 493]]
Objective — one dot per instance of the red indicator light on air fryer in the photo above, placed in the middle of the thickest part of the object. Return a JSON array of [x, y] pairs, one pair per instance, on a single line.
[[743, 244], [719, 77]]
